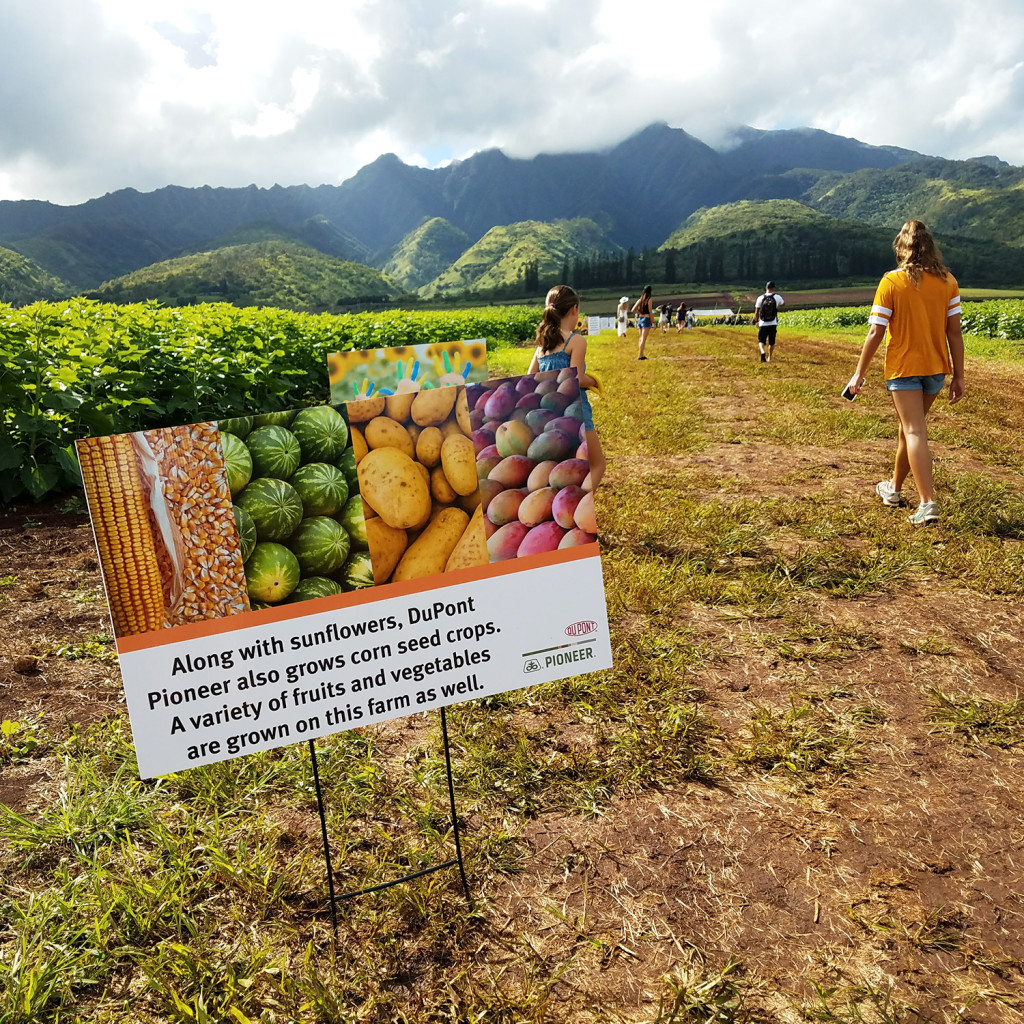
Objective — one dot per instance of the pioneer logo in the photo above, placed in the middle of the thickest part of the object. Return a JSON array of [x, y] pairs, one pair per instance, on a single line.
[[581, 628]]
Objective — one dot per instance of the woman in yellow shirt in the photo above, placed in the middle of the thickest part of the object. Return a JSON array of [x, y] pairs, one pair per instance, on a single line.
[[917, 313]]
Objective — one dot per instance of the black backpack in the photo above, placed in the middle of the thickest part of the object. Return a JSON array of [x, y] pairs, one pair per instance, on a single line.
[[769, 308]]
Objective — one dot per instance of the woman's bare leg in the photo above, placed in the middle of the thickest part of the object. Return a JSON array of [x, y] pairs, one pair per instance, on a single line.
[[595, 456], [913, 456]]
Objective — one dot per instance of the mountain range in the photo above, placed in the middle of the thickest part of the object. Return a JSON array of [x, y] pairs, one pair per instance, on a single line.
[[491, 221]]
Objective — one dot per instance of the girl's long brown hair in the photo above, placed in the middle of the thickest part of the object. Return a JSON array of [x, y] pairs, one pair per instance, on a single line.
[[917, 253], [557, 305]]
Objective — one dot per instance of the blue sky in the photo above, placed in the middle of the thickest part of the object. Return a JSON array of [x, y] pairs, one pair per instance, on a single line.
[[105, 94]]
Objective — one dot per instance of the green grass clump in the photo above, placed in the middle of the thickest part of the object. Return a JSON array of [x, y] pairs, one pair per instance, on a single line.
[[978, 720], [800, 741]]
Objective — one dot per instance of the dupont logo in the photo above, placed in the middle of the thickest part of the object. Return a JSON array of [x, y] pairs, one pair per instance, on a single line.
[[581, 628]]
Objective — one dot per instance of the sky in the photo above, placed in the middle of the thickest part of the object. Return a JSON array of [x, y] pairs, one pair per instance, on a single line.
[[99, 95]]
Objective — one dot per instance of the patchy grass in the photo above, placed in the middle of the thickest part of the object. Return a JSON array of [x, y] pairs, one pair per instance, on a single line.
[[978, 720]]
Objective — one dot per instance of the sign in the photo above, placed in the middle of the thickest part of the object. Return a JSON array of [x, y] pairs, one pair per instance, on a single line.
[[597, 324], [265, 589], [259, 680]]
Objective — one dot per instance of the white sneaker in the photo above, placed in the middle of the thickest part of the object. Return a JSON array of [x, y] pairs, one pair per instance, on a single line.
[[926, 514], [890, 498]]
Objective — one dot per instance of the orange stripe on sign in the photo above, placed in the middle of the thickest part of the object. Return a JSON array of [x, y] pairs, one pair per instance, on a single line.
[[353, 599]]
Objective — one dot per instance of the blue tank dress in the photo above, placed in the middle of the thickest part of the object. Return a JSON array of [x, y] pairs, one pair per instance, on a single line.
[[559, 360]]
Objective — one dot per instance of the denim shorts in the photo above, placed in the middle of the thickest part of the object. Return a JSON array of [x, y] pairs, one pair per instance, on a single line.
[[644, 321], [931, 384]]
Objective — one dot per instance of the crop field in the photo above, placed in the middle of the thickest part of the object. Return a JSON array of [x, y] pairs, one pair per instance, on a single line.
[[796, 797], [78, 368]]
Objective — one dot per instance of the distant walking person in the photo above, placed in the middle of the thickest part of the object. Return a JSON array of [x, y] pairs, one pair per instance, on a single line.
[[644, 318], [766, 314], [681, 317], [663, 317], [917, 313], [560, 344], [622, 316]]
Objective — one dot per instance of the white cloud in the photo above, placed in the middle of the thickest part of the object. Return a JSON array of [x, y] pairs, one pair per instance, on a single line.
[[103, 94]]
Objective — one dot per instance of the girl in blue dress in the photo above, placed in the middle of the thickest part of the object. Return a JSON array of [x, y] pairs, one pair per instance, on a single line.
[[559, 345]]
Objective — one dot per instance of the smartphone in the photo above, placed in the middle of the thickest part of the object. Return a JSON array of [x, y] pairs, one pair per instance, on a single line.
[[848, 394]]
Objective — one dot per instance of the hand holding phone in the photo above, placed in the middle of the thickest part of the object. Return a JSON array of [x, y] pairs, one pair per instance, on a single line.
[[847, 393]]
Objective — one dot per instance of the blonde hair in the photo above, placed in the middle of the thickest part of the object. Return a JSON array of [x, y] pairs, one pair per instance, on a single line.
[[557, 305], [916, 252]]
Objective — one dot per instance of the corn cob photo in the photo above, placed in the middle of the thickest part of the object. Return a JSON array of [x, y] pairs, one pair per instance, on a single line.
[[119, 504], [164, 526]]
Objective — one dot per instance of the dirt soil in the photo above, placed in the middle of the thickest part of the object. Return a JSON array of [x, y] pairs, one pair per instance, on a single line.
[[906, 877]]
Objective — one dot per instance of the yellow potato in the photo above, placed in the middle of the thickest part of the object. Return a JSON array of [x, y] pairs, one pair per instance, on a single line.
[[451, 427], [359, 445], [470, 502], [462, 412], [428, 446], [365, 409], [432, 406], [387, 545], [440, 488], [424, 471], [414, 430], [399, 406], [394, 486], [472, 547], [429, 553], [458, 457], [382, 432]]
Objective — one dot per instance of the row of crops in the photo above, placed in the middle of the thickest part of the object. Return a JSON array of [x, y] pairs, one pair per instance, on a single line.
[[997, 318], [81, 368]]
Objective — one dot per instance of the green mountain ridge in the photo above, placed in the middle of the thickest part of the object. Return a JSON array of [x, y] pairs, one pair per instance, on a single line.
[[441, 231], [266, 273], [971, 198], [753, 240], [22, 280], [425, 253], [523, 253]]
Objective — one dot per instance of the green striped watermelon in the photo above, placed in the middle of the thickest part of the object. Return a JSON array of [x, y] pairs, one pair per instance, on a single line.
[[354, 522], [322, 433], [272, 573], [322, 488], [357, 572], [238, 425], [321, 545], [273, 419], [275, 452], [347, 464], [314, 586], [237, 461], [246, 531], [275, 507]]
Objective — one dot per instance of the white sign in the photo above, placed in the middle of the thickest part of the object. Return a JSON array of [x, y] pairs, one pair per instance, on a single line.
[[214, 690]]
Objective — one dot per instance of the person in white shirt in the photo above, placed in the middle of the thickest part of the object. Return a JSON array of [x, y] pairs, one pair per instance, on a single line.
[[622, 316], [766, 316]]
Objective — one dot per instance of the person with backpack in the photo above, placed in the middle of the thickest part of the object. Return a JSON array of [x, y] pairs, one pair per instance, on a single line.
[[766, 316]]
